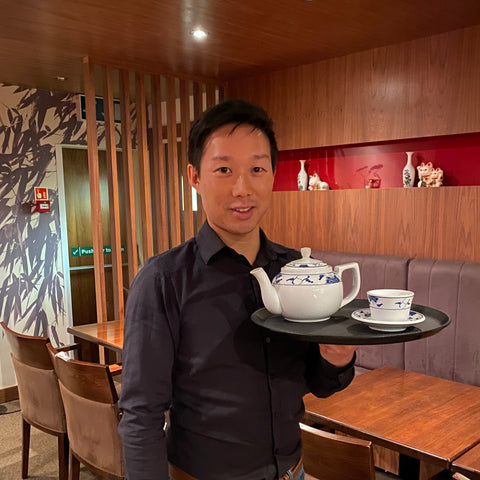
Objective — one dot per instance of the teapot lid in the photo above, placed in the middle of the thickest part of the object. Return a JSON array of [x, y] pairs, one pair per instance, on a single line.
[[306, 265]]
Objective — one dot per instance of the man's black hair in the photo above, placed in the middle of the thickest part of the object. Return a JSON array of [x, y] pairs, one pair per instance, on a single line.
[[235, 112]]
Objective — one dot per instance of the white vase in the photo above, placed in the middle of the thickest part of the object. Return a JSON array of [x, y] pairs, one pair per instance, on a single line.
[[302, 177], [409, 171]]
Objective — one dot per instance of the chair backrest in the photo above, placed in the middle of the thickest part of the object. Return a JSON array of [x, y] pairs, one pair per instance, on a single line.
[[329, 456], [91, 407], [40, 399]]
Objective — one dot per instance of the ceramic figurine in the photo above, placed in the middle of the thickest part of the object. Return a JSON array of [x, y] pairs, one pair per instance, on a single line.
[[436, 178], [306, 290], [429, 176], [424, 171], [314, 183]]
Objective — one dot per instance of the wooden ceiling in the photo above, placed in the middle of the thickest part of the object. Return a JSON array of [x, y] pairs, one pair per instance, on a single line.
[[43, 39]]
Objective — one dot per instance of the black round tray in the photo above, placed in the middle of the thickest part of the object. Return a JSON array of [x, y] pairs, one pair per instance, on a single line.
[[342, 329]]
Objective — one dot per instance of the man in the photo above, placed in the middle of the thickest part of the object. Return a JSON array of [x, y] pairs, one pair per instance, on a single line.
[[234, 391]]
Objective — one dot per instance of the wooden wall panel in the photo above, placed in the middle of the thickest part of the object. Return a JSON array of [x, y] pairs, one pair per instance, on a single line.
[[437, 223], [422, 88]]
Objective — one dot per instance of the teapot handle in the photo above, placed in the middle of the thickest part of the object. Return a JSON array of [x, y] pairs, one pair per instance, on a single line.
[[339, 269]]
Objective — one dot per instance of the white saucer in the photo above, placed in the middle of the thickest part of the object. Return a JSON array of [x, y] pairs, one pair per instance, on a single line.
[[363, 315]]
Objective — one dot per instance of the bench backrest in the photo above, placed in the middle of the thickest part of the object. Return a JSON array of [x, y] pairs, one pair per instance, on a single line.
[[449, 285]]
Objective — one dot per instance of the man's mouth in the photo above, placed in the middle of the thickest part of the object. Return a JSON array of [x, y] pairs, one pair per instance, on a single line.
[[242, 210]]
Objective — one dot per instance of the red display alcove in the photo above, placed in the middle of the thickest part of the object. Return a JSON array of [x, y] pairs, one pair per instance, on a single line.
[[351, 166]]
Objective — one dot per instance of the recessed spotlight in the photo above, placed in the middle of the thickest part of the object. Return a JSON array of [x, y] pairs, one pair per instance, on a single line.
[[60, 78], [199, 34]]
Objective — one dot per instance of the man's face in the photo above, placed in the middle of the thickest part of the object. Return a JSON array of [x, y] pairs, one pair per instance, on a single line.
[[235, 181]]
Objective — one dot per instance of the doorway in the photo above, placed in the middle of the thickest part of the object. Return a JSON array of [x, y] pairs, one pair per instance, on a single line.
[[75, 219]]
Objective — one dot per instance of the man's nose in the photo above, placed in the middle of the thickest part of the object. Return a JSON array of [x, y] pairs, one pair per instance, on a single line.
[[241, 186]]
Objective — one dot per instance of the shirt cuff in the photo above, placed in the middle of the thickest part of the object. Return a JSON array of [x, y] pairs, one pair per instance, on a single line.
[[344, 374]]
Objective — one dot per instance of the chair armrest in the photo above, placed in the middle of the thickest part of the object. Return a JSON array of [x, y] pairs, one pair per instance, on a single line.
[[459, 476], [72, 347], [115, 369]]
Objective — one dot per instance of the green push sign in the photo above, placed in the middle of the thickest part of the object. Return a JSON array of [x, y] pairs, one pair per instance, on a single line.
[[88, 251]]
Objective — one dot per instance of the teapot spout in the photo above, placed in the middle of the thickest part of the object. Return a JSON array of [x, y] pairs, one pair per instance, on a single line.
[[269, 293]]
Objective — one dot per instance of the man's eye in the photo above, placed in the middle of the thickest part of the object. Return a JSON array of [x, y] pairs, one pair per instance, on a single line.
[[258, 169], [223, 169]]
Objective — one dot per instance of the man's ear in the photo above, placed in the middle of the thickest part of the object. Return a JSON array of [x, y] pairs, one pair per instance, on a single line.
[[193, 177]]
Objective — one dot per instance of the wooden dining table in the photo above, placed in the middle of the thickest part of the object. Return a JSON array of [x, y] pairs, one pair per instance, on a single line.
[[423, 417], [106, 334]]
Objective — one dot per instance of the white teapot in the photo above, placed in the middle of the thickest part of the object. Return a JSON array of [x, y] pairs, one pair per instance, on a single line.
[[306, 290]]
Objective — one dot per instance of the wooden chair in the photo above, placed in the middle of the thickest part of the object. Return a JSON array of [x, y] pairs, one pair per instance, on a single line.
[[459, 476], [91, 408], [328, 456], [40, 400]]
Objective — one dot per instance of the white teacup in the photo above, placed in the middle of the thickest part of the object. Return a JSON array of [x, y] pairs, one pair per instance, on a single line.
[[390, 305]]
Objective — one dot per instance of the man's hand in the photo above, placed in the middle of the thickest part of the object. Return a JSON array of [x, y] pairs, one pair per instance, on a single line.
[[338, 355]]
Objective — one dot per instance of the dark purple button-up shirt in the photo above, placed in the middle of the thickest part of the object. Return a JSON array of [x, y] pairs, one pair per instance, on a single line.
[[234, 390]]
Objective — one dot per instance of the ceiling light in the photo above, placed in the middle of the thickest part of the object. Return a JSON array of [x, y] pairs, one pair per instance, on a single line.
[[60, 78], [199, 34]]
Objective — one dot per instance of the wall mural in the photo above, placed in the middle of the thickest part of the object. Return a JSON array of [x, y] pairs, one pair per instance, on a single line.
[[32, 288]]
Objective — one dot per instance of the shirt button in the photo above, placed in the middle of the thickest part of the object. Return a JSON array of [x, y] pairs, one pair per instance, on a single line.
[[267, 340]]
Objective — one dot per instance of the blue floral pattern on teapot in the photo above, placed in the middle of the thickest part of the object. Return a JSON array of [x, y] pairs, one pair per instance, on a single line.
[[303, 279]]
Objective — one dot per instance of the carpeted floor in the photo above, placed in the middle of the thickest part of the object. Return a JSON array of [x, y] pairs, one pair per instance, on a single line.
[[43, 463]]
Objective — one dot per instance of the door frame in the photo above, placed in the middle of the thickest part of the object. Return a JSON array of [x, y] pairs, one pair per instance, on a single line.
[[62, 207], [63, 229]]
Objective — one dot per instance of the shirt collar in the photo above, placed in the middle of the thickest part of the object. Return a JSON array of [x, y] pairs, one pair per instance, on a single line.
[[209, 244]]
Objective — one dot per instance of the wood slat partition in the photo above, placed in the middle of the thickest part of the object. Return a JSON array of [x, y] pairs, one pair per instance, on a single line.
[[197, 99], [221, 94], [159, 178], [95, 204], [188, 219], [173, 175], [113, 196], [439, 223], [129, 194], [197, 110], [210, 95], [159, 214], [144, 168]]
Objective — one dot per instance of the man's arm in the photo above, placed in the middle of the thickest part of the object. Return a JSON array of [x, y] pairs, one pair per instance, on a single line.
[[330, 368], [147, 359]]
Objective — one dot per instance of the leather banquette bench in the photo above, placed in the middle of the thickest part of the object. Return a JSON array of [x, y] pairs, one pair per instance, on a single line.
[[448, 285]]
